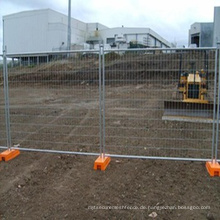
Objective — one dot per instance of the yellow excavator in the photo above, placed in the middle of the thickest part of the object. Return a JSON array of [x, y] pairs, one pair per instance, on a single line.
[[193, 87], [194, 103]]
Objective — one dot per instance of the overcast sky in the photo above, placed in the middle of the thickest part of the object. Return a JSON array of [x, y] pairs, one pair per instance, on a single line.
[[171, 18]]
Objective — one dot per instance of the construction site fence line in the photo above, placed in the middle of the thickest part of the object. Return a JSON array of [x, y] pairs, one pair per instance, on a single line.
[[109, 155]]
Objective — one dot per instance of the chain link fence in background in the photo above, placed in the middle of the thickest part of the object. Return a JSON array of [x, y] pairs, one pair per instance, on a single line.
[[58, 102]]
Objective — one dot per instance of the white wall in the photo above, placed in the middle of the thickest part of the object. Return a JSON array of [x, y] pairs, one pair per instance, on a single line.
[[40, 30], [92, 27], [195, 28], [17, 29]]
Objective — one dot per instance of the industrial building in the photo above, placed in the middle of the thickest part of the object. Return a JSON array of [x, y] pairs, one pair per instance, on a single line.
[[206, 34], [42, 30], [138, 37], [46, 30]]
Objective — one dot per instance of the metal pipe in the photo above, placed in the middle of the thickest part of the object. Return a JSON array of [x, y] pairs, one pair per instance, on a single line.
[[100, 100], [69, 27], [218, 108], [110, 155], [214, 109], [52, 151], [3, 30], [106, 51], [7, 113], [103, 98]]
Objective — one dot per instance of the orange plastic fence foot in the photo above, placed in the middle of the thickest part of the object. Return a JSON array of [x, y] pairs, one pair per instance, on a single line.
[[9, 154], [213, 168], [101, 163]]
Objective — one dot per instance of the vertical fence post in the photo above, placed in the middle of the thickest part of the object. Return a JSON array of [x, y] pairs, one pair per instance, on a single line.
[[213, 166], [103, 102], [100, 100], [214, 109], [7, 113], [102, 161], [9, 153], [218, 108]]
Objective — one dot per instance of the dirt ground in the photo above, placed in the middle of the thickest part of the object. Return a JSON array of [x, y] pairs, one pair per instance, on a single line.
[[54, 186], [56, 107], [39, 186]]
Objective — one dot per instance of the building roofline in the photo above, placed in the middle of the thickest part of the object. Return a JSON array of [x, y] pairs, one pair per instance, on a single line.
[[44, 10], [202, 23], [28, 11]]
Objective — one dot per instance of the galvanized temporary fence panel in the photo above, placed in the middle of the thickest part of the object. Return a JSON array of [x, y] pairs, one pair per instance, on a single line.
[[108, 101], [138, 82], [54, 101]]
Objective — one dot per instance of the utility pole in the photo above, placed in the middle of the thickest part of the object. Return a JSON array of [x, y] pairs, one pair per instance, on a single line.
[[69, 27]]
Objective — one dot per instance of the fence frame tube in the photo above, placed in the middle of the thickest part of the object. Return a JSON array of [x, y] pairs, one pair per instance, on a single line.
[[214, 109], [103, 100], [218, 108], [100, 100], [6, 96]]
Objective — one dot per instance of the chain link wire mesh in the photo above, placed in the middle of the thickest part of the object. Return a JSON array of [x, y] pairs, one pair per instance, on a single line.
[[54, 101], [137, 85]]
